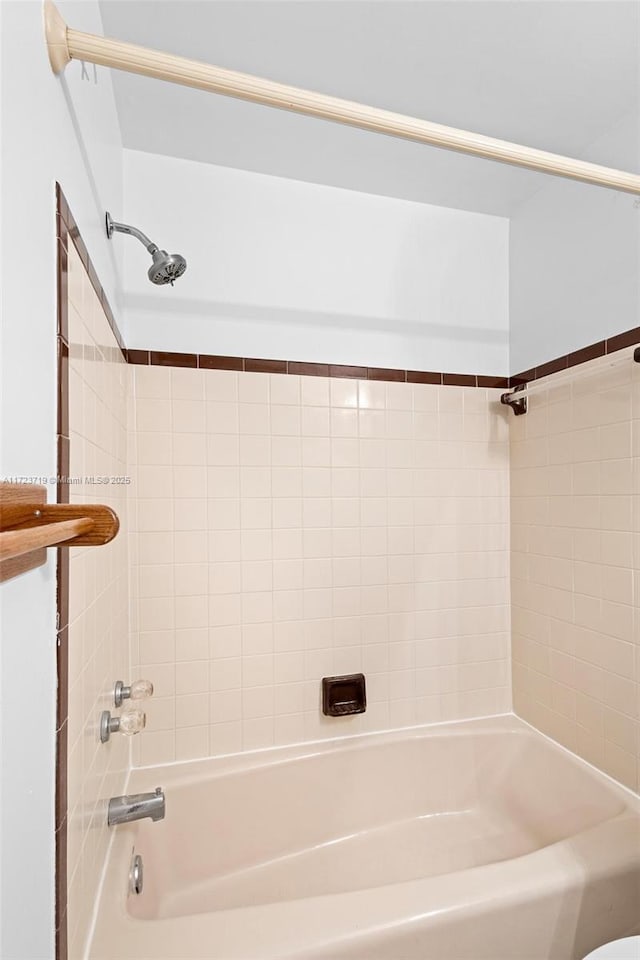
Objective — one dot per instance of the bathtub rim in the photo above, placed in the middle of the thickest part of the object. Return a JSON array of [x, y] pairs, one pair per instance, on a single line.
[[186, 772]]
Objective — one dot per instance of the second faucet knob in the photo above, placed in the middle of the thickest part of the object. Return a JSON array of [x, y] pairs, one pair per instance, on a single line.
[[132, 721], [138, 690]]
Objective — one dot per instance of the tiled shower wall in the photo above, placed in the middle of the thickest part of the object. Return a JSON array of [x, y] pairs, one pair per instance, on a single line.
[[98, 594], [575, 483], [285, 528]]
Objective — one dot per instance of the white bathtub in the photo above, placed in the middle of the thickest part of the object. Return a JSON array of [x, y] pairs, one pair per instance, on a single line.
[[479, 840]]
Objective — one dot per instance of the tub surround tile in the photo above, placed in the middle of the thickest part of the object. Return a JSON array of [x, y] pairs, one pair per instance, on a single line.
[[300, 573], [403, 454], [575, 472]]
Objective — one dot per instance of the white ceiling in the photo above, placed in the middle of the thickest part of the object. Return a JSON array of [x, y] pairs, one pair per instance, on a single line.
[[554, 74]]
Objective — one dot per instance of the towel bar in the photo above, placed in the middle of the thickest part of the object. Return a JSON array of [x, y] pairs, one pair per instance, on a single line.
[[28, 525]]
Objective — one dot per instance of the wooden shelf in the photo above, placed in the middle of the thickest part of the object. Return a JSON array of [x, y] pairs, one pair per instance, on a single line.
[[28, 525]]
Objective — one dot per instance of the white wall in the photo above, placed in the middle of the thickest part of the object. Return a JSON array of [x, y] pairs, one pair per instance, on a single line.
[[41, 143], [284, 269], [575, 259]]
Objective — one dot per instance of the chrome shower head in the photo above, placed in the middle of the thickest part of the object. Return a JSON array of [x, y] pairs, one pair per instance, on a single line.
[[166, 267]]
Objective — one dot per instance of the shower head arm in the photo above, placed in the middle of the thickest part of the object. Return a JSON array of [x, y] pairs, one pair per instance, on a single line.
[[113, 227], [166, 267]]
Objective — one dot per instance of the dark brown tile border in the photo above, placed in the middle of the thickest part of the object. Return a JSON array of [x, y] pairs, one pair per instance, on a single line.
[[61, 945], [62, 596], [265, 366], [165, 359], [63, 397], [380, 373], [423, 376], [591, 352], [342, 370], [493, 383], [61, 205], [137, 356], [205, 361], [64, 224], [391, 375], [623, 340], [63, 285], [209, 362], [67, 230], [629, 338], [308, 369], [63, 457], [553, 366]]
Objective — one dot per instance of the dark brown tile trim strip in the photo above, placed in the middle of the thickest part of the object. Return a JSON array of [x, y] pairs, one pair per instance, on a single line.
[[600, 349], [340, 370], [67, 226], [137, 356], [172, 359], [209, 362], [265, 366], [205, 361], [423, 376], [587, 353], [67, 232], [459, 380]]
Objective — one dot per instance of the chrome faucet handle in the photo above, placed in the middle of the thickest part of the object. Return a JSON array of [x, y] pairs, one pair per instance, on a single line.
[[138, 690], [130, 723]]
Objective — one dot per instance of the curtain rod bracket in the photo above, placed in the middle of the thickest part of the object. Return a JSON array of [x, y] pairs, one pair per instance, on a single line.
[[519, 406], [55, 31]]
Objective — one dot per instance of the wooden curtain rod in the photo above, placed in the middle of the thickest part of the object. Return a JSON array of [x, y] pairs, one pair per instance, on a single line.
[[65, 44]]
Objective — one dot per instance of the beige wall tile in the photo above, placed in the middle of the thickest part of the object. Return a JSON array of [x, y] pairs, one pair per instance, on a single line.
[[575, 648], [98, 593], [299, 496]]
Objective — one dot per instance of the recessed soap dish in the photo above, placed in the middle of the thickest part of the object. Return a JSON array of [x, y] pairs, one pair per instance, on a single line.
[[344, 696]]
